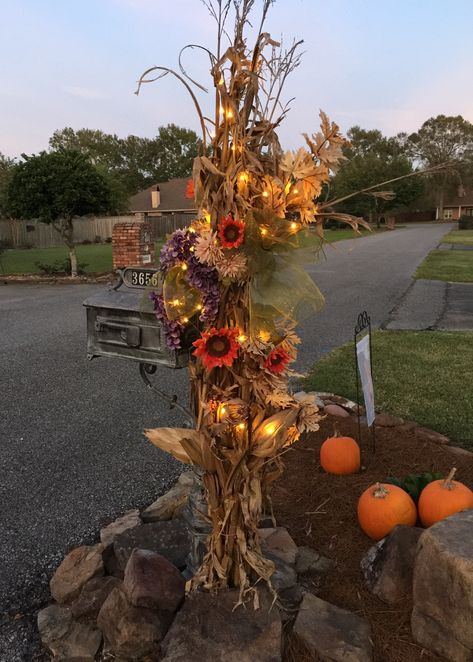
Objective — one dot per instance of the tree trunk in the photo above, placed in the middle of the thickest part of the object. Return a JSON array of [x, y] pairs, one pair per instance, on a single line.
[[73, 259], [441, 198], [66, 229]]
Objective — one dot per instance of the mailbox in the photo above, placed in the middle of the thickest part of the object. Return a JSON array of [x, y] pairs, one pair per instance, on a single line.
[[121, 323]]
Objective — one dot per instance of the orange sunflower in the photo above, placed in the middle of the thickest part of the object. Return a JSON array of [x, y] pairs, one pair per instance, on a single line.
[[190, 192], [217, 347], [231, 232], [277, 360]]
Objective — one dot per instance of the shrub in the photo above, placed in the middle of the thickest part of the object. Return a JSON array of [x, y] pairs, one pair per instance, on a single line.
[[98, 239], [108, 240], [60, 267], [465, 223], [86, 242]]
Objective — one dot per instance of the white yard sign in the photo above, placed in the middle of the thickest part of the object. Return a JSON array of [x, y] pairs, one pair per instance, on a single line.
[[364, 366]]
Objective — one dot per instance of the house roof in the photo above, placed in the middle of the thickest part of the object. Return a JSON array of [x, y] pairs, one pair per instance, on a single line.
[[465, 200], [172, 197]]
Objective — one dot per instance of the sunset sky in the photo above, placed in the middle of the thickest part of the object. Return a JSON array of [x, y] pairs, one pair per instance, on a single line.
[[386, 64]]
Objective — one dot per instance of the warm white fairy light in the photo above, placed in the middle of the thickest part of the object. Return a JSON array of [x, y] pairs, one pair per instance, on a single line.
[[241, 338], [294, 226], [184, 267], [264, 231], [265, 194]]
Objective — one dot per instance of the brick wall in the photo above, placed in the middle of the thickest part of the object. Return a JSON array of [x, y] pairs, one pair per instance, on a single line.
[[132, 245]]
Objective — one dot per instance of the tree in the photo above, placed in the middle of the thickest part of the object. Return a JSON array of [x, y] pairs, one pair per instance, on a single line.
[[442, 140], [6, 168], [54, 187], [133, 163], [371, 158]]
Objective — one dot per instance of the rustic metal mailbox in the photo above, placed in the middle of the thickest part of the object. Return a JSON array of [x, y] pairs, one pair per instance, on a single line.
[[121, 324]]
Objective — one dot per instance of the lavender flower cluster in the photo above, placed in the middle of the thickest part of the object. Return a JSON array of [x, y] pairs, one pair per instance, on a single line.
[[204, 278]]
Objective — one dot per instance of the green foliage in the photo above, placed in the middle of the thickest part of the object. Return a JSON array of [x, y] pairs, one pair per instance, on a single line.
[[371, 159], [54, 186], [443, 140], [133, 163], [413, 484], [60, 267], [465, 223], [6, 169]]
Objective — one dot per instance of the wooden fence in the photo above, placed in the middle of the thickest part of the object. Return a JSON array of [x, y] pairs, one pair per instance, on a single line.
[[33, 234]]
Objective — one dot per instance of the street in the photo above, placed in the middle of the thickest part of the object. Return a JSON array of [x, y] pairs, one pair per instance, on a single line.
[[73, 456]]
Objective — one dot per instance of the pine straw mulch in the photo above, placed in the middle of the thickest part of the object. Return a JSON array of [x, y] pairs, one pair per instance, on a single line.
[[319, 510]]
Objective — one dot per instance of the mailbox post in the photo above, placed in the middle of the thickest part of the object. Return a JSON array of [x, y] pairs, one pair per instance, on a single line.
[[121, 324]]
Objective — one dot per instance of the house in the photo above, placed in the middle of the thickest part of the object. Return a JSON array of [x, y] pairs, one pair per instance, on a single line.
[[166, 198], [456, 207]]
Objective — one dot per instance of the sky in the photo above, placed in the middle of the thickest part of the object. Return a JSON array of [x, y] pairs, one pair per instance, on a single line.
[[385, 64]]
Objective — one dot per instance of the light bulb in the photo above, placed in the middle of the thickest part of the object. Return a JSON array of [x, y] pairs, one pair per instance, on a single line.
[[270, 428], [185, 320], [184, 267], [265, 194], [241, 426], [294, 226], [229, 114], [241, 338], [264, 231]]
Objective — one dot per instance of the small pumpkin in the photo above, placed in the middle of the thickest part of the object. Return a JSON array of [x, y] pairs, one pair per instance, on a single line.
[[382, 507], [443, 498], [340, 455]]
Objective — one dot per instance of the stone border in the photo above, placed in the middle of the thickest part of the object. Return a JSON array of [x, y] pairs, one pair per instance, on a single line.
[[33, 279]]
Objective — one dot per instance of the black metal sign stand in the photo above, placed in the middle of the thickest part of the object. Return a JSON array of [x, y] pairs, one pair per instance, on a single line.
[[363, 326]]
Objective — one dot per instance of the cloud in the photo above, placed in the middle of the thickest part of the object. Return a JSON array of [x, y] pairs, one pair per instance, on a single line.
[[85, 92]]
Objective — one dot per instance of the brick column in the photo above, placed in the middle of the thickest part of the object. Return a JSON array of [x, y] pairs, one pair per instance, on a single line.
[[132, 245]]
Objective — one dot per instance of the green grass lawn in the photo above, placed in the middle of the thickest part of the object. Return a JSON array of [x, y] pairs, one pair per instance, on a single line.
[[454, 266], [425, 376], [98, 258], [459, 237]]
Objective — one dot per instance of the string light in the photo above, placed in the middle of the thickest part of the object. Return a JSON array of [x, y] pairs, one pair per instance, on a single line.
[[264, 231], [241, 426], [264, 336], [229, 114], [199, 306], [175, 302], [270, 428], [243, 177], [296, 190], [294, 226], [241, 338], [265, 194], [184, 266], [185, 320]]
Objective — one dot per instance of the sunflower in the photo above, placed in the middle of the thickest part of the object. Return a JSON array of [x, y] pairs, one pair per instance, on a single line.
[[277, 360], [217, 347], [190, 192], [231, 232]]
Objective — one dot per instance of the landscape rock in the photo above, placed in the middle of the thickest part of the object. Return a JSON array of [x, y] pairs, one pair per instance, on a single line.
[[430, 435], [152, 581], [442, 617], [284, 576], [131, 632], [129, 520], [388, 421], [332, 633], [310, 562], [65, 638], [80, 565], [277, 542], [388, 566], [208, 628], [172, 503], [92, 596], [336, 410], [171, 539]]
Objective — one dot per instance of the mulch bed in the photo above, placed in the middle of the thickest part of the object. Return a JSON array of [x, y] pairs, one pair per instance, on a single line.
[[319, 510]]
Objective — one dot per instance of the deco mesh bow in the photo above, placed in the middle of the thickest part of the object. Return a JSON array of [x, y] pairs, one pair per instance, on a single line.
[[236, 274]]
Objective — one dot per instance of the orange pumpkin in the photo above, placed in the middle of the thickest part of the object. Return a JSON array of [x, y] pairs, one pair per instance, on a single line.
[[443, 498], [340, 455], [381, 507]]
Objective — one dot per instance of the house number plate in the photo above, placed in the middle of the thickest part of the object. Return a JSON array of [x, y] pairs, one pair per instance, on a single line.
[[136, 277]]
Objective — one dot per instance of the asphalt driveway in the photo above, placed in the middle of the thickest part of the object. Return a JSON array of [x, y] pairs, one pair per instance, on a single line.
[[73, 456]]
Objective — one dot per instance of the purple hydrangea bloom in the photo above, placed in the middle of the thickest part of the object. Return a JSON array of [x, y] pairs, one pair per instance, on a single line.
[[204, 278]]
